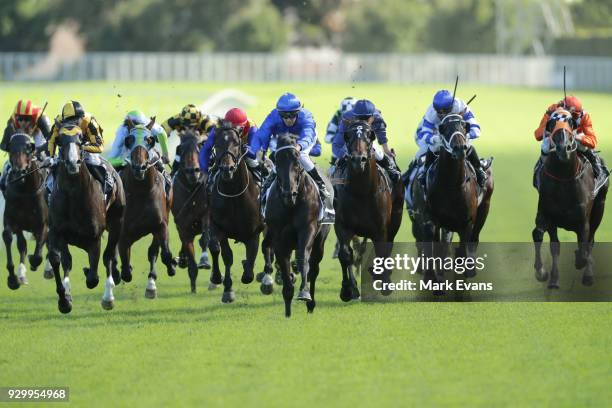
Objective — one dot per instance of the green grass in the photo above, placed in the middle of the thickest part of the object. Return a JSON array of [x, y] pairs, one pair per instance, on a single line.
[[184, 349]]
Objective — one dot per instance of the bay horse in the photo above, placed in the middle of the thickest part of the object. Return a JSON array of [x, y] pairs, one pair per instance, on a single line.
[[78, 215], [368, 205], [451, 203], [25, 207], [190, 202], [147, 206], [567, 199], [292, 216], [235, 211]]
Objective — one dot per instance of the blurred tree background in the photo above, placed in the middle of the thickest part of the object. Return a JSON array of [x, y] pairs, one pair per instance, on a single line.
[[455, 26]]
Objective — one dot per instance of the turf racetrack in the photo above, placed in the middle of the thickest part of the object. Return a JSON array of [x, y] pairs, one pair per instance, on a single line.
[[190, 349]]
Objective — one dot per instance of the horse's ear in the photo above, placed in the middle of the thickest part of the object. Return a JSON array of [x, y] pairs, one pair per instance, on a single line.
[[151, 123], [130, 124]]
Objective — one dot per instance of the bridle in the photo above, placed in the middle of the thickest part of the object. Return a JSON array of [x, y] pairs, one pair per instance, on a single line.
[[237, 161], [447, 144], [300, 172], [359, 130]]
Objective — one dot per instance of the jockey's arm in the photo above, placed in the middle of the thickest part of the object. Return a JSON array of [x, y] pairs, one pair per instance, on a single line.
[[118, 144], [44, 125], [8, 132], [539, 132], [162, 138], [339, 144], [206, 150], [93, 136], [51, 145], [261, 138], [587, 135], [173, 123]]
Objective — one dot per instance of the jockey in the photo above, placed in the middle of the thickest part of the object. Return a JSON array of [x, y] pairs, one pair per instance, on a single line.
[[332, 127], [364, 109], [74, 114], [119, 151], [30, 119], [290, 117], [191, 118], [236, 118], [584, 129], [428, 138]]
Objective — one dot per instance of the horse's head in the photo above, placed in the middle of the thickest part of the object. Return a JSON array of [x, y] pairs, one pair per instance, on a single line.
[[140, 140], [453, 131], [359, 137], [21, 153], [228, 147], [288, 169], [189, 151], [70, 152], [563, 136]]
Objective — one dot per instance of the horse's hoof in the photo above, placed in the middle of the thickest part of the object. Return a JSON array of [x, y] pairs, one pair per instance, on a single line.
[[228, 297], [203, 262], [541, 275], [107, 304], [181, 262], [247, 278], [355, 295], [259, 276], [587, 280], [23, 280], [193, 288], [35, 261], [150, 293], [64, 305], [266, 289], [304, 295], [92, 283], [216, 279], [126, 275], [386, 292], [553, 285], [310, 305], [346, 294], [12, 282], [278, 278], [171, 271], [579, 261], [212, 286], [48, 274]]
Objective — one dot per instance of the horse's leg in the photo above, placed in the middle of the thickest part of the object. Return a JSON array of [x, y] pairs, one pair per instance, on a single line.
[[22, 247], [166, 255], [318, 249], [215, 274], [383, 250], [110, 251], [228, 260], [108, 299], [304, 247], [192, 266], [11, 281], [538, 236], [36, 258], [265, 277], [283, 258], [151, 289], [345, 256], [553, 282], [125, 254], [204, 243], [252, 245], [584, 248], [64, 303], [66, 261]]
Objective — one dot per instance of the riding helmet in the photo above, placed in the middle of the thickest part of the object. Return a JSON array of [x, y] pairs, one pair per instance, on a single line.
[[72, 109], [443, 100], [288, 102]]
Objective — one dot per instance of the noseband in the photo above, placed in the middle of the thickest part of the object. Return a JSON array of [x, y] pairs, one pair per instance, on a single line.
[[447, 144]]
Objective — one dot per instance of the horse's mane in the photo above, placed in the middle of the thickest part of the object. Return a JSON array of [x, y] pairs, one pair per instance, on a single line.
[[286, 139]]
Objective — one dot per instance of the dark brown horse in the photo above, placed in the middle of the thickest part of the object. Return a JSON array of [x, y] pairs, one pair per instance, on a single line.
[[190, 202], [292, 214], [147, 207], [368, 205], [25, 208], [235, 211], [78, 215], [452, 201], [568, 200]]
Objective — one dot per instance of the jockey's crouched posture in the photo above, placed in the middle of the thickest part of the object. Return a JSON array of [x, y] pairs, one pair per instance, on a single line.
[[237, 119], [122, 145], [190, 118], [27, 118], [584, 128], [427, 135], [74, 114], [365, 110]]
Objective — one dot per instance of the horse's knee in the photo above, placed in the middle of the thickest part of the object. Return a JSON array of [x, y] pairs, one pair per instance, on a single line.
[[345, 254], [537, 235], [54, 258], [7, 235]]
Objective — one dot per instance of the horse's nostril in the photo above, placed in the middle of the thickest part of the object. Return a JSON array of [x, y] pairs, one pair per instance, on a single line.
[[363, 159]]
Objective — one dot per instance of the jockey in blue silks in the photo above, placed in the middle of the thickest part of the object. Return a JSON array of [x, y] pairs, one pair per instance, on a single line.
[[290, 117], [365, 110]]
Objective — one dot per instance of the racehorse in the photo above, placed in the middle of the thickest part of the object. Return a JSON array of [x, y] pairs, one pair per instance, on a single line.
[[292, 216], [452, 202], [25, 207], [147, 206], [78, 215], [567, 199], [368, 205], [190, 203], [234, 210]]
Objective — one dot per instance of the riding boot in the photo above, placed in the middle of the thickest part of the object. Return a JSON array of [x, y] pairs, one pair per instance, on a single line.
[[408, 172], [388, 164], [159, 166], [175, 168], [422, 175], [481, 175], [537, 169], [592, 157], [99, 173], [314, 173], [253, 166], [3, 178]]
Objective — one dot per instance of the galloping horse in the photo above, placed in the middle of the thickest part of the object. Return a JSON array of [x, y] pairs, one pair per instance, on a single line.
[[190, 202], [147, 206], [368, 205], [292, 215], [452, 202], [234, 209], [25, 208], [78, 215], [567, 199]]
